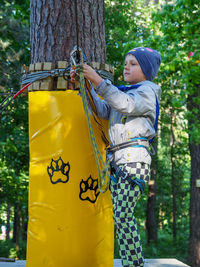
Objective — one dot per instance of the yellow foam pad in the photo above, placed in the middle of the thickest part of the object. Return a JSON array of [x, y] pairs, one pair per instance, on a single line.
[[70, 222]]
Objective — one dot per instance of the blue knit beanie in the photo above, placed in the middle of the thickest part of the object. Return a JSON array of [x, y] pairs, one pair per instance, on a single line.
[[148, 59]]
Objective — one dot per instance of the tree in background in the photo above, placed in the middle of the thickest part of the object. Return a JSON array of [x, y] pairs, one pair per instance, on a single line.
[[14, 51], [180, 28]]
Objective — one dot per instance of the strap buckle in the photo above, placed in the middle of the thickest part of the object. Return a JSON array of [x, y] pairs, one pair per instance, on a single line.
[[125, 174]]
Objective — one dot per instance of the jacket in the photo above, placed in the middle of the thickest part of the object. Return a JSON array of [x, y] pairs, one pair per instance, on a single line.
[[131, 114]]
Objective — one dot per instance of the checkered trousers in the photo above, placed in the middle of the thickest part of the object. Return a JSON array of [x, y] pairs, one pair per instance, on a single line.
[[124, 198]]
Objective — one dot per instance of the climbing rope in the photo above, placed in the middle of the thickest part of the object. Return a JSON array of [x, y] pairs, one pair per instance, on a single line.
[[102, 166], [95, 115]]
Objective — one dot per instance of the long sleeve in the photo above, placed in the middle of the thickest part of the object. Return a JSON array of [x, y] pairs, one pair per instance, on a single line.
[[138, 102], [103, 109]]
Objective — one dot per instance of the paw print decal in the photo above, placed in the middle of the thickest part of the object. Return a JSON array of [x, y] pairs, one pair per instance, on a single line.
[[89, 190], [58, 171]]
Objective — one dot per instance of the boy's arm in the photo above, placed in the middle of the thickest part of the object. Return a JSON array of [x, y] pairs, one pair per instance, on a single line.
[[103, 109], [139, 102], [135, 103]]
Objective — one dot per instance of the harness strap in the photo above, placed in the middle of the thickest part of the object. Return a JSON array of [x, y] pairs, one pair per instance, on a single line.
[[134, 142], [117, 172]]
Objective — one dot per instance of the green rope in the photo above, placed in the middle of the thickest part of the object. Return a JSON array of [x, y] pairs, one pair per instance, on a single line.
[[102, 167]]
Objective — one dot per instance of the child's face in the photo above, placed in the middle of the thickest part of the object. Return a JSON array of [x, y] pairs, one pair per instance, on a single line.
[[132, 70]]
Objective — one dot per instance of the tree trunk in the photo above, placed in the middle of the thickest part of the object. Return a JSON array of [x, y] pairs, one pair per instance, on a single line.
[[16, 226], [151, 222], [154, 1], [8, 222], [24, 224], [53, 29], [194, 241], [173, 177]]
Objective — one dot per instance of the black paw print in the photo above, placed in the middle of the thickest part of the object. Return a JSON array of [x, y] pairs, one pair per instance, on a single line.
[[58, 171], [89, 190]]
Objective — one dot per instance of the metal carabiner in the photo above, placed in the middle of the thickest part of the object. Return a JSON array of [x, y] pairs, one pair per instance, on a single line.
[[73, 63], [75, 56]]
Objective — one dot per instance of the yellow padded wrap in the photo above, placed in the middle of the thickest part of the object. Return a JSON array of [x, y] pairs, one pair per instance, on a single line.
[[70, 223]]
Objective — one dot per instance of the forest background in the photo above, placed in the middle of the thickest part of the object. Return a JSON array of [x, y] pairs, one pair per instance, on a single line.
[[169, 213]]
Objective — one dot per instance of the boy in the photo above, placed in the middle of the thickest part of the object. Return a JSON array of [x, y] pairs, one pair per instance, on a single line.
[[132, 114]]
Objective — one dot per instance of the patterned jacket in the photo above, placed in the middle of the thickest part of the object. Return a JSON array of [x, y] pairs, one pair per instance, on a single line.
[[131, 114]]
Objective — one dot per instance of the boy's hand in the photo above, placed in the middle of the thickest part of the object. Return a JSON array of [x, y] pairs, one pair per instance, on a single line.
[[90, 74], [73, 76]]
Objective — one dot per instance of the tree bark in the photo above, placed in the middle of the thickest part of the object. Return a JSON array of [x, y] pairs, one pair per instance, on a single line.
[[194, 240], [25, 224], [151, 221], [154, 1], [8, 222], [16, 226], [53, 29], [173, 177]]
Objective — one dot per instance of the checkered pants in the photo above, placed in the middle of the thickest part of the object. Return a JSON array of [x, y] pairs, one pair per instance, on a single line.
[[124, 198]]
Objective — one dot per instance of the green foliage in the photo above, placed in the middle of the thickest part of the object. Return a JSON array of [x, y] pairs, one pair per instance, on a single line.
[[125, 28], [165, 28], [179, 36], [14, 50], [14, 42], [166, 247], [14, 154], [8, 250]]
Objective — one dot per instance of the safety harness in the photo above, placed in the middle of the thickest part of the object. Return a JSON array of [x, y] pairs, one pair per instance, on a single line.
[[117, 172], [120, 171]]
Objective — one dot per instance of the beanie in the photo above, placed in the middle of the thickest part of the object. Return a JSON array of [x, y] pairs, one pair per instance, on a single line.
[[148, 59]]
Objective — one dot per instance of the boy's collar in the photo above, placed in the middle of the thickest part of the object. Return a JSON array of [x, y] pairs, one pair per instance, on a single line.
[[125, 88]]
